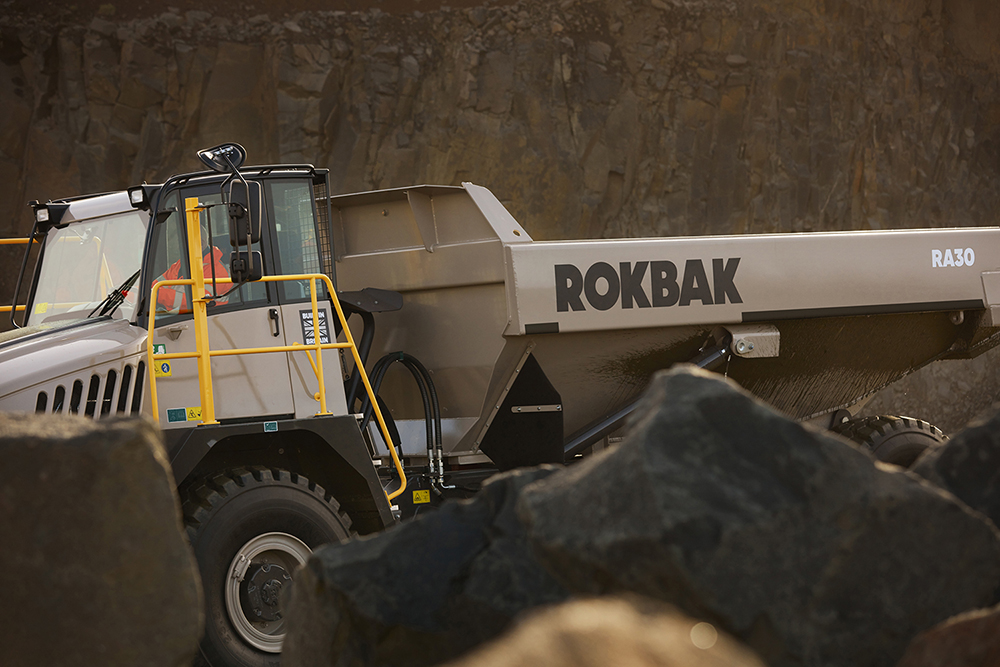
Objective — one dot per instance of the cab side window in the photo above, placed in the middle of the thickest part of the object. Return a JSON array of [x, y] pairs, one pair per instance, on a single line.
[[215, 236], [295, 229], [170, 258], [170, 262]]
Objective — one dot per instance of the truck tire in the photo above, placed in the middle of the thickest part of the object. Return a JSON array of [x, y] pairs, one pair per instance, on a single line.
[[261, 524], [897, 440]]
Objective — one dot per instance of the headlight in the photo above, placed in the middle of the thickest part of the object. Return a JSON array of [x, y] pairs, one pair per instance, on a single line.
[[141, 196]]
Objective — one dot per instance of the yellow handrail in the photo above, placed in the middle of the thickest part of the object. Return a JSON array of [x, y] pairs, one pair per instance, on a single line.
[[204, 354]]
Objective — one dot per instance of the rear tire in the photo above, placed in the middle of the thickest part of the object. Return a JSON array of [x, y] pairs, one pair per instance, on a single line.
[[260, 524], [896, 440]]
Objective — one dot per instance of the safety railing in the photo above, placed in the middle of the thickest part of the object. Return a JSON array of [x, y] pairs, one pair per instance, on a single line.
[[203, 353], [24, 241]]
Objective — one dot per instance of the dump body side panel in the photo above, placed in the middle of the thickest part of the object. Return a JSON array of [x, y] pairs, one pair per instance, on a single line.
[[634, 283]]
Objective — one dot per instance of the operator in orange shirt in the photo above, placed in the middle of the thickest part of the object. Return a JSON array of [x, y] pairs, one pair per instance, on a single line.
[[173, 298]]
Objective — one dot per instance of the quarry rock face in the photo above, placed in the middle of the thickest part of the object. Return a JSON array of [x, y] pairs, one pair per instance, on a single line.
[[611, 631], [794, 541], [99, 571], [591, 118]]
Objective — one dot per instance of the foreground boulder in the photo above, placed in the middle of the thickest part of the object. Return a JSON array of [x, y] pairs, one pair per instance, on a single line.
[[968, 466], [98, 570], [611, 631], [971, 639], [792, 540], [423, 592]]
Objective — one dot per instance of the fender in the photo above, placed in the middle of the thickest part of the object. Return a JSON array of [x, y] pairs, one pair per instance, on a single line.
[[328, 450]]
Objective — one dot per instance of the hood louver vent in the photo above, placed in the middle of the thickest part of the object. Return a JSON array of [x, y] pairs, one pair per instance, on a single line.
[[106, 396]]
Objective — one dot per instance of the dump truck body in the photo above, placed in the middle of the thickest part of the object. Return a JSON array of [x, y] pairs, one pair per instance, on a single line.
[[833, 317]]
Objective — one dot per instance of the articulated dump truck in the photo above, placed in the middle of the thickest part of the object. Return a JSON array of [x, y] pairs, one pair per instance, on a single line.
[[323, 366]]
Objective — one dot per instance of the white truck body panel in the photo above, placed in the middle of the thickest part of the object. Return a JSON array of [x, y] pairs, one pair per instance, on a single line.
[[770, 277]]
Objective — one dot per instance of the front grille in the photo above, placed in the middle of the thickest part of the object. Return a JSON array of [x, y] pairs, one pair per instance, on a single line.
[[105, 395]]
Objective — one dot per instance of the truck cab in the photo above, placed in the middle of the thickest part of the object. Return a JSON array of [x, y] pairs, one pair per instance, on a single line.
[[277, 465]]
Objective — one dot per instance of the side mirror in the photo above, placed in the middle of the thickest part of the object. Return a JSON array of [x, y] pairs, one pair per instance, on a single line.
[[244, 213], [245, 266]]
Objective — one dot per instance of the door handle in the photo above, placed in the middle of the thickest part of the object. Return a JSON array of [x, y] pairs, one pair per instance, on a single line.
[[272, 314], [174, 332]]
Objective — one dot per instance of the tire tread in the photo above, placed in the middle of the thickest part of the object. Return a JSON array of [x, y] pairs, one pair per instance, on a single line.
[[201, 498], [872, 432]]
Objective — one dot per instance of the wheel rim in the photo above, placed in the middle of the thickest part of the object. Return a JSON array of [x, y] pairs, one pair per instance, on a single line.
[[259, 570]]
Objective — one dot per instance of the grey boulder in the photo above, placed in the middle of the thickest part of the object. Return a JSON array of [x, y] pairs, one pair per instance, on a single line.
[[424, 591], [791, 539], [968, 466]]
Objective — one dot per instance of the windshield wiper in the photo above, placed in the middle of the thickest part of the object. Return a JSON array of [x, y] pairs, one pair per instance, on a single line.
[[115, 297]]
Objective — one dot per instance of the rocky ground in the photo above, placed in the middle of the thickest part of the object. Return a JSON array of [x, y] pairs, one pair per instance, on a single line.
[[791, 540], [717, 534]]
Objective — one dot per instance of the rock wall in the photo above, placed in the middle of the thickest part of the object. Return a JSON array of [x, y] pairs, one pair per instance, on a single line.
[[587, 117]]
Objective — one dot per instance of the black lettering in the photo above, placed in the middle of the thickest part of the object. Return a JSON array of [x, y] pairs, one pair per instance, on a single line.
[[724, 279], [632, 284], [595, 298], [569, 284], [663, 276], [695, 284]]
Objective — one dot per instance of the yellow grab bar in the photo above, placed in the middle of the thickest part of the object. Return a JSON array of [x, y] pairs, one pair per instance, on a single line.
[[204, 354]]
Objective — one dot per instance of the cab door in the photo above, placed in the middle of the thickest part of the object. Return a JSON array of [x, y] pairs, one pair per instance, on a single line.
[[249, 386], [298, 242]]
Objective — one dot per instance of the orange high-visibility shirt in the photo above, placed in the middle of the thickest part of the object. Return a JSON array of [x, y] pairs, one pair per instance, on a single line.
[[174, 297]]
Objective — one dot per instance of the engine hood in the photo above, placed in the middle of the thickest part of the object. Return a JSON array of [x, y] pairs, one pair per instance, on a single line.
[[35, 355]]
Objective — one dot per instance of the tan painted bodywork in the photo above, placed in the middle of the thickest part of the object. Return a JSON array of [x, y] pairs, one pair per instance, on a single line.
[[474, 283]]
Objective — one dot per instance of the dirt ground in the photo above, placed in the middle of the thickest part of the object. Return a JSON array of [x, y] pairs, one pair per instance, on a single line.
[[83, 10]]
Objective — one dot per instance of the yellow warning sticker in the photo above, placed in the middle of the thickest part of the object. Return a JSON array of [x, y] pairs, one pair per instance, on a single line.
[[161, 368], [421, 497], [193, 414], [41, 307]]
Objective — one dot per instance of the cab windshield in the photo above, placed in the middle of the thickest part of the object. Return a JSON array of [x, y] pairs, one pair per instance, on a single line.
[[85, 261]]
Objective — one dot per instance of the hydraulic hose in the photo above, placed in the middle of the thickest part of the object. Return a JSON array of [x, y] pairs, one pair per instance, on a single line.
[[364, 349], [429, 398], [379, 372]]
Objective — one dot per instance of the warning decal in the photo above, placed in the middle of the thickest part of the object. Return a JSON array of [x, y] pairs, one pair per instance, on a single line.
[[161, 368], [183, 414]]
